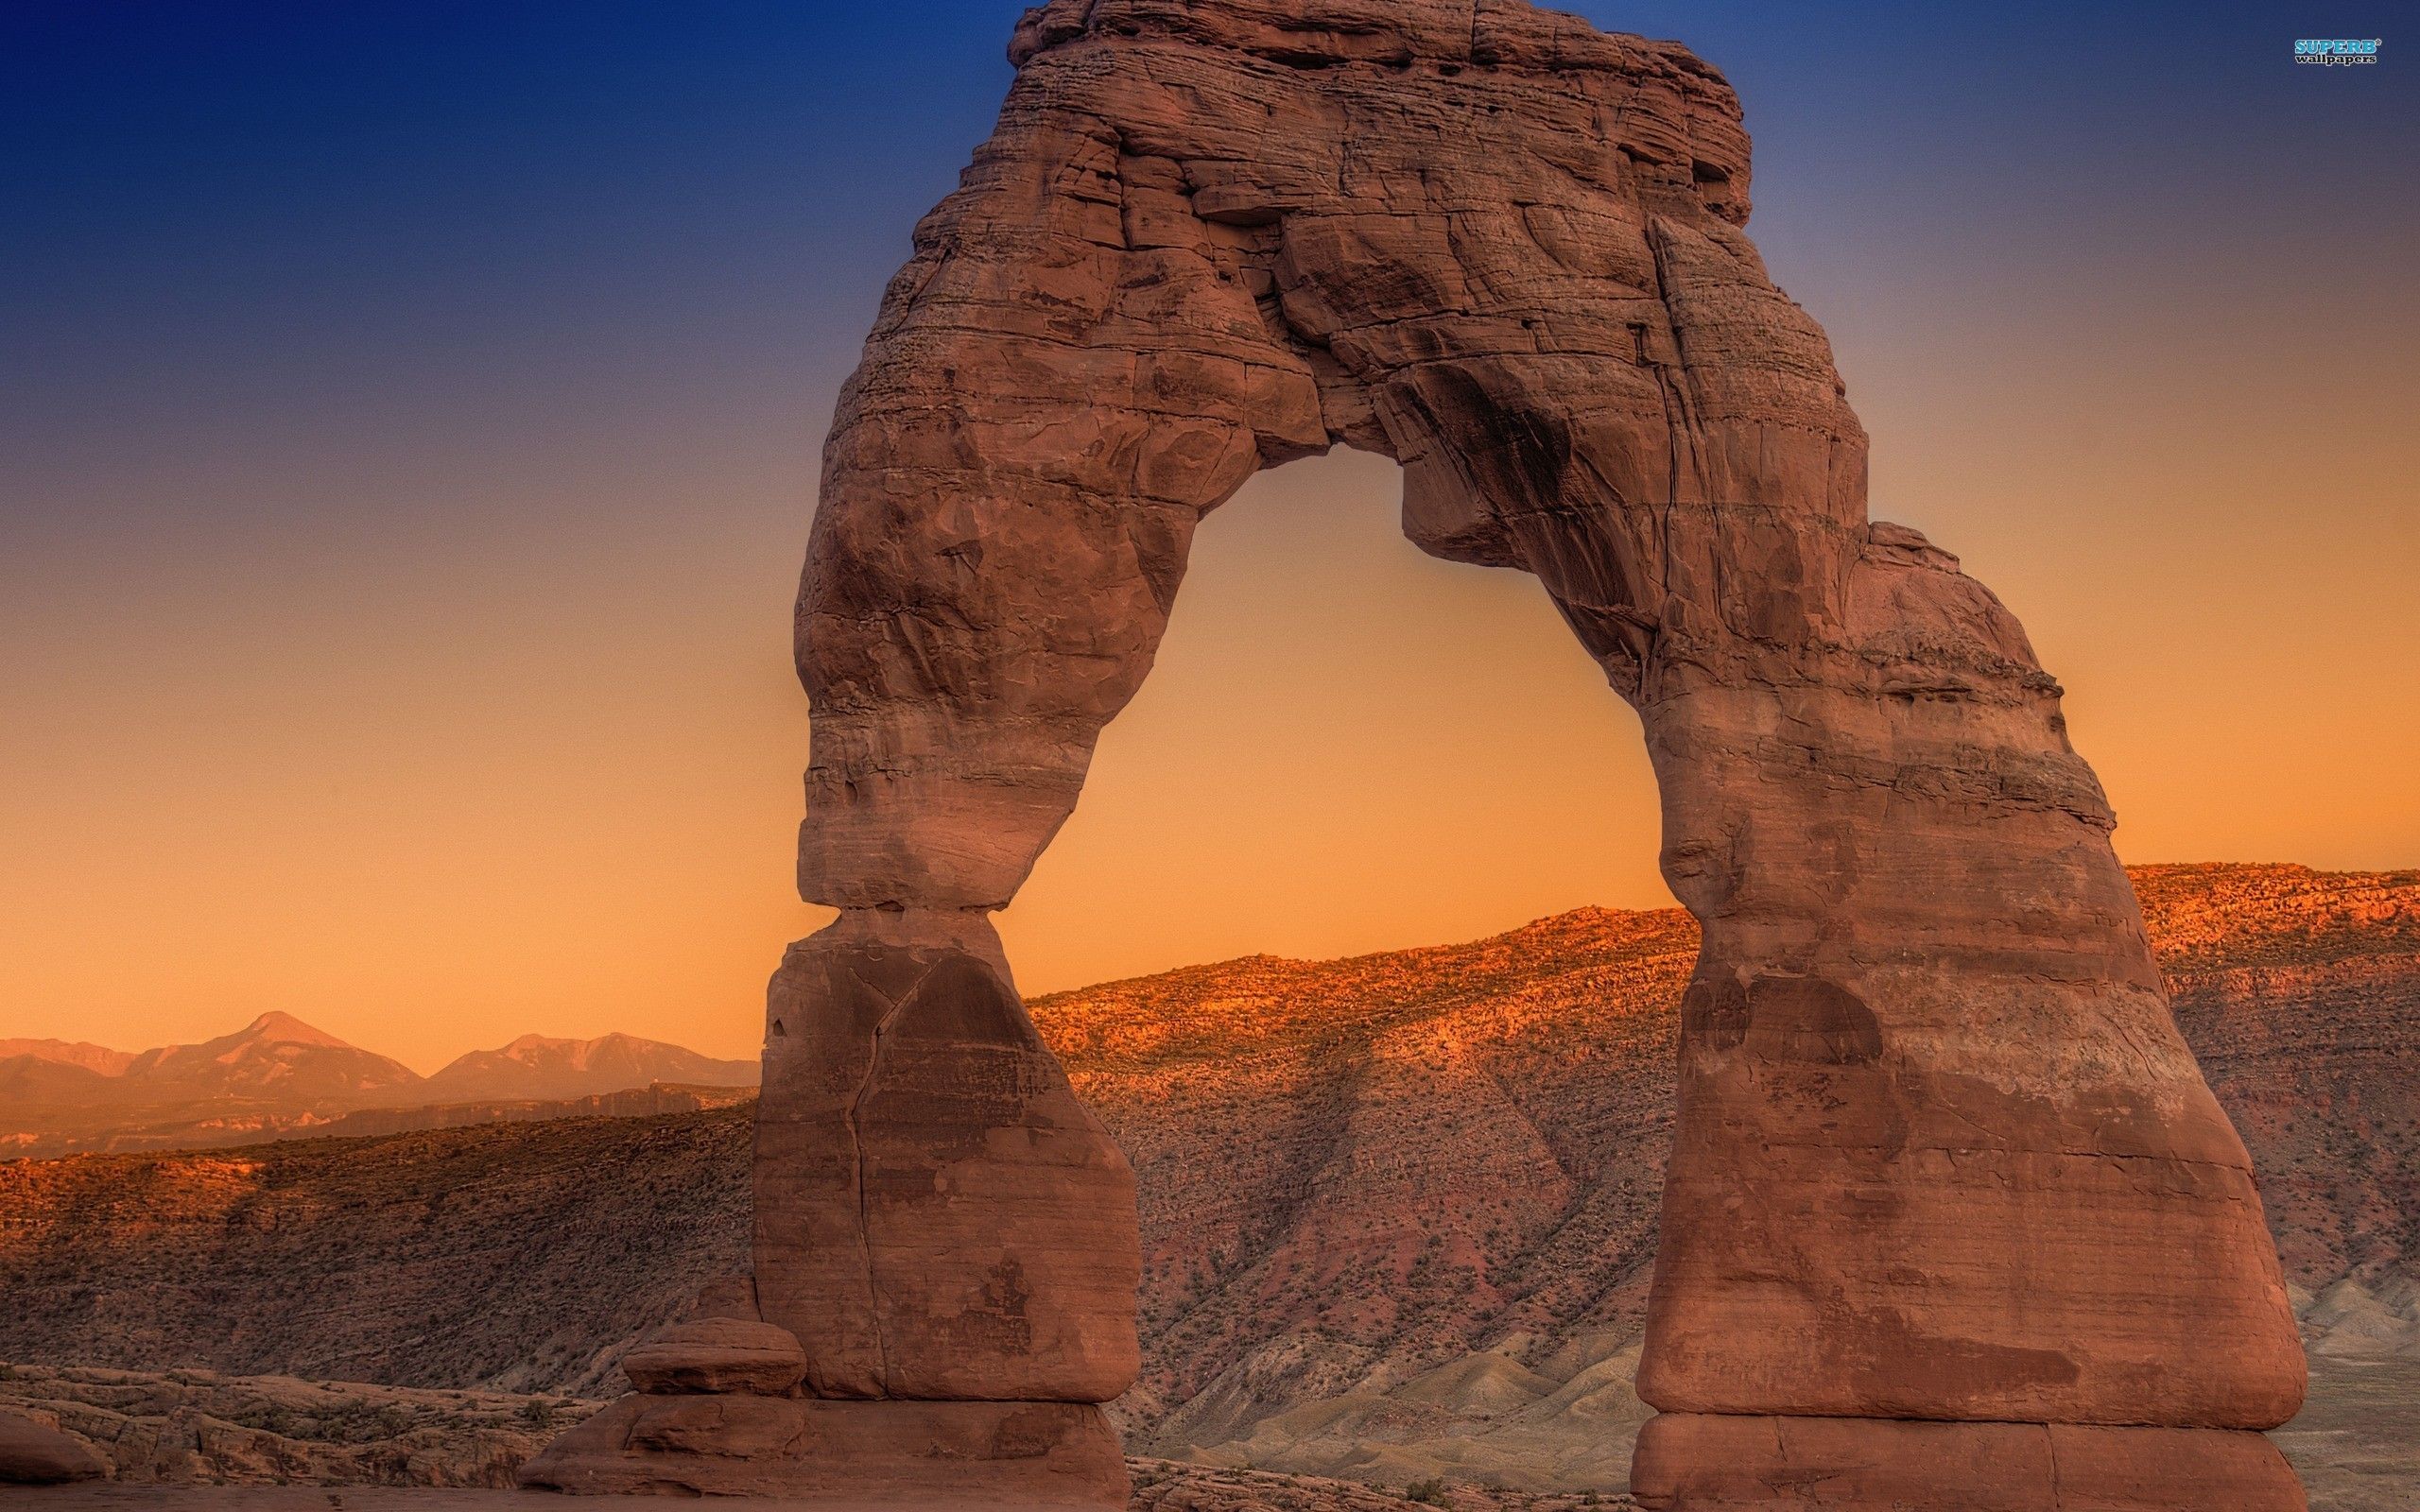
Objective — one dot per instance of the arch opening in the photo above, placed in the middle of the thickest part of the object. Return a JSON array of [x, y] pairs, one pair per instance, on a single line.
[[1344, 745]]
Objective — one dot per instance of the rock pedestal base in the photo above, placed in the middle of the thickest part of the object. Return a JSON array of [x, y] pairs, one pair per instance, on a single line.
[[1690, 1461], [1032, 1456], [938, 1217]]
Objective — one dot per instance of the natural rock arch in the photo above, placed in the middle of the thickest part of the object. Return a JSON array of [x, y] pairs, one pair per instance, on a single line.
[[1950, 1216]]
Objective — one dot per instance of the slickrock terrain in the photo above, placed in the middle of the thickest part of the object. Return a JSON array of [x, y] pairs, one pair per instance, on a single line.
[[1358, 1260], [189, 1428], [1162, 1485], [34, 1450], [194, 1427]]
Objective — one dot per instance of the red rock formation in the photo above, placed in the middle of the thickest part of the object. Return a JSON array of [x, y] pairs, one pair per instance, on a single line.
[[1940, 1156], [1710, 1462], [936, 1217], [717, 1356], [1015, 1456], [34, 1454], [193, 1427]]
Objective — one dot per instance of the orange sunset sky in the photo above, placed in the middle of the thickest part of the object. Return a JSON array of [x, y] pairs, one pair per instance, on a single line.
[[409, 459]]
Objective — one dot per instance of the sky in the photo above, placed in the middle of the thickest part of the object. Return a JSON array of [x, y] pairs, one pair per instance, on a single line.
[[409, 426]]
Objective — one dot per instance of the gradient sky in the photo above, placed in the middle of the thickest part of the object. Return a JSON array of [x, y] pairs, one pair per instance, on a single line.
[[409, 415]]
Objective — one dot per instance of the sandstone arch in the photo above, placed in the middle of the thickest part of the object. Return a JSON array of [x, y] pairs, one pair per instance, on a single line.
[[1951, 1216]]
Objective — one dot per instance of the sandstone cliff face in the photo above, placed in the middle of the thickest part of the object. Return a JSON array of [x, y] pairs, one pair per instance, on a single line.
[[1940, 1153]]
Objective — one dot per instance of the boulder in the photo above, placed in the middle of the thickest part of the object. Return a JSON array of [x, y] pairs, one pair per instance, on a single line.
[[717, 1355], [34, 1454]]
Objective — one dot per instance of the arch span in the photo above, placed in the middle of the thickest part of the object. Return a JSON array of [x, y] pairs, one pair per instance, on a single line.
[[1951, 1216]]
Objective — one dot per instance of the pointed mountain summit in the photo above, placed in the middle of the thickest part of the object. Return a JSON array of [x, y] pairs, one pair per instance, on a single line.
[[276, 1056], [274, 1027], [535, 1066]]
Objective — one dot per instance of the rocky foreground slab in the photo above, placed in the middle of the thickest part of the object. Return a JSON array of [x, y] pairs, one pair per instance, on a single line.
[[125, 1439]]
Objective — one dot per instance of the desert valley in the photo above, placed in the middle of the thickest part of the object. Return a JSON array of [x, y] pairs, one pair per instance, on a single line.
[[1398, 1212]]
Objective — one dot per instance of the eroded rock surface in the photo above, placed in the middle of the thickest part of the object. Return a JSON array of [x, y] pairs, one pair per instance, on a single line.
[[717, 1355], [159, 1438], [1730, 1463], [937, 1215], [197, 1427], [1017, 1456], [1941, 1154], [34, 1452]]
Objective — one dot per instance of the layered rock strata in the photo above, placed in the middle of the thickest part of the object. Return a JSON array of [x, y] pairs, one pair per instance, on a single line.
[[195, 1427], [721, 1407], [1945, 1174], [36, 1454]]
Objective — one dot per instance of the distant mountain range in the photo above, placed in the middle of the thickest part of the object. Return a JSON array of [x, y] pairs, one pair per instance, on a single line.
[[534, 1066], [278, 1076], [95, 1059]]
